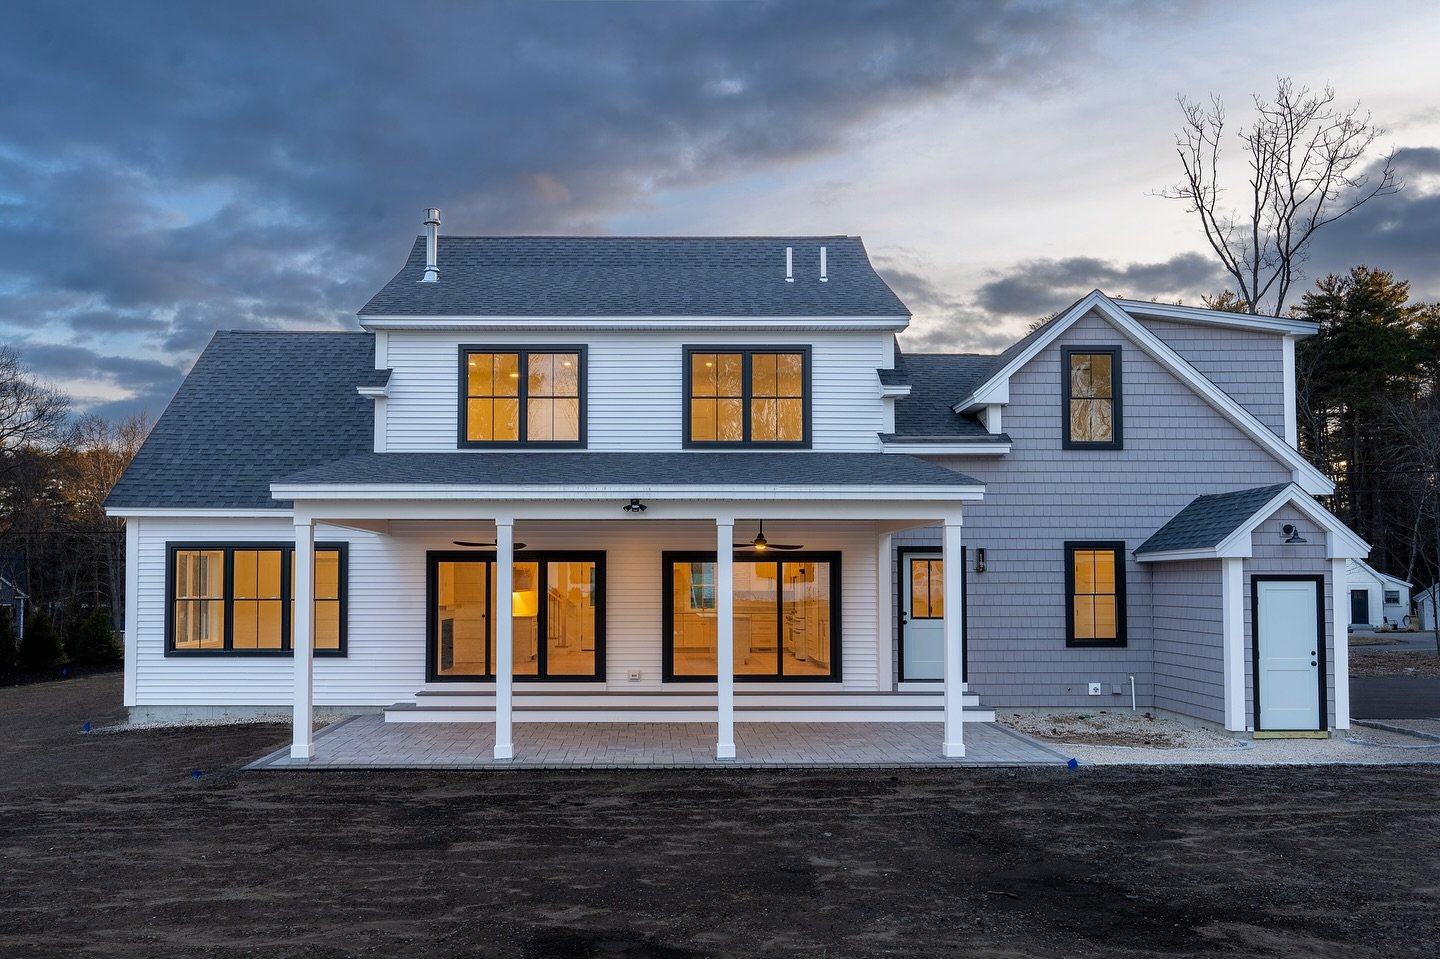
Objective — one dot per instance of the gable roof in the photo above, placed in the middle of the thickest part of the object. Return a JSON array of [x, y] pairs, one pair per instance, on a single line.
[[616, 276], [1218, 526], [256, 406], [995, 387]]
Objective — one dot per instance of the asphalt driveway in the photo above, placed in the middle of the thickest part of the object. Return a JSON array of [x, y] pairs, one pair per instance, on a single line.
[[1394, 697]]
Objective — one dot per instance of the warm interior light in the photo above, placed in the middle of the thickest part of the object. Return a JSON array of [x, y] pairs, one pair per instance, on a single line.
[[525, 603], [708, 364]]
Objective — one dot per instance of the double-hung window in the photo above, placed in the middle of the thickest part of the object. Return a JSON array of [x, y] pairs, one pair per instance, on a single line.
[[1091, 390], [1095, 594], [747, 397], [522, 397], [238, 598]]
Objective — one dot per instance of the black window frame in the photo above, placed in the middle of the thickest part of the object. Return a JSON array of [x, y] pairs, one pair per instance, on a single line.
[[287, 598], [669, 558], [433, 559], [1122, 637], [1117, 418], [747, 354], [462, 387]]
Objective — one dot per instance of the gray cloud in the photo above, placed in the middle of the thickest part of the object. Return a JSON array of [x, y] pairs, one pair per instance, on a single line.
[[173, 168], [1039, 287]]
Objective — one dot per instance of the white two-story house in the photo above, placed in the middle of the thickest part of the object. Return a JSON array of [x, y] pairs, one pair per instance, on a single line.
[[692, 479]]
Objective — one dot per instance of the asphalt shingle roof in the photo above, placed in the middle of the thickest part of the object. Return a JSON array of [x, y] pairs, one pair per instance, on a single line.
[[937, 382], [1208, 520], [257, 405], [580, 468], [638, 276]]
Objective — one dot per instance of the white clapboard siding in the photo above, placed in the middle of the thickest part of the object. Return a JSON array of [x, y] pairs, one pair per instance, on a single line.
[[634, 385], [386, 636]]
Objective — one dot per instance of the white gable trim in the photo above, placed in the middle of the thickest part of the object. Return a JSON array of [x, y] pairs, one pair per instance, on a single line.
[[1236, 321], [948, 449], [997, 388], [1340, 541]]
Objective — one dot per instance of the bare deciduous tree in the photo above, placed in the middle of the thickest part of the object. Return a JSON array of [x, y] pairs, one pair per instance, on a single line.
[[1306, 161], [31, 413]]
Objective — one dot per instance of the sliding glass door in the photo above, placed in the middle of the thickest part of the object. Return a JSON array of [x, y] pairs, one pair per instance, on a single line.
[[558, 610]]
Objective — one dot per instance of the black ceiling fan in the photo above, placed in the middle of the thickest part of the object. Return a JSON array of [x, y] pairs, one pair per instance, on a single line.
[[760, 544], [461, 542]]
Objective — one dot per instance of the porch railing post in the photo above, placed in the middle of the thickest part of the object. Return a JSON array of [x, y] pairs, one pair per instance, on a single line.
[[954, 562], [725, 637], [302, 641], [504, 635]]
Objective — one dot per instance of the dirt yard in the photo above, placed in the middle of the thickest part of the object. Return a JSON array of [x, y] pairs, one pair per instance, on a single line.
[[109, 845]]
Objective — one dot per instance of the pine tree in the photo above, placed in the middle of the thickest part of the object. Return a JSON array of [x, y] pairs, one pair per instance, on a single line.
[[40, 649], [91, 640], [7, 639]]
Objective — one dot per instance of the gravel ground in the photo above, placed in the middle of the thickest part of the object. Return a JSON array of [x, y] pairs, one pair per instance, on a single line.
[[1106, 738]]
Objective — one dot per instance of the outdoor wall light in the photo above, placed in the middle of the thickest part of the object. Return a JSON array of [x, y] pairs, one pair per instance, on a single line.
[[980, 560], [634, 506], [1294, 535]]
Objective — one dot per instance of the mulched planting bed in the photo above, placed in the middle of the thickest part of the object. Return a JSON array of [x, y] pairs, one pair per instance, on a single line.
[[112, 846]]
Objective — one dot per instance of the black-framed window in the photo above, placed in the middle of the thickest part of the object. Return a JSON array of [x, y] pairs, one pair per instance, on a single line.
[[237, 599], [1092, 411], [522, 396], [747, 397], [558, 607], [787, 617], [1095, 594]]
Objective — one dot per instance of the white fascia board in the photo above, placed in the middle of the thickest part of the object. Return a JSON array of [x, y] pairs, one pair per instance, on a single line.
[[1306, 476], [734, 494], [1178, 556], [948, 449], [1238, 321], [185, 513], [354, 511], [709, 323]]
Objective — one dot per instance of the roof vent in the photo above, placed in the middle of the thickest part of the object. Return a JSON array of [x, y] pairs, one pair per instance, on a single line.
[[823, 277], [789, 264], [432, 244]]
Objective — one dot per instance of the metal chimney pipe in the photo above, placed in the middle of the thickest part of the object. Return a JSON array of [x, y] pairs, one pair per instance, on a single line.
[[432, 245]]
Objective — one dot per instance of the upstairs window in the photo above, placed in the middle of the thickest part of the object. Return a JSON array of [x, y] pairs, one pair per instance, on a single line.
[[522, 397], [747, 397], [1092, 398]]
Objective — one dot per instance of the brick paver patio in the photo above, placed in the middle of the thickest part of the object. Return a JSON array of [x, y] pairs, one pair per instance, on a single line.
[[368, 742]]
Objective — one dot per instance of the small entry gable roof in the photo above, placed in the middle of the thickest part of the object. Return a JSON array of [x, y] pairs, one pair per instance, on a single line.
[[1219, 526]]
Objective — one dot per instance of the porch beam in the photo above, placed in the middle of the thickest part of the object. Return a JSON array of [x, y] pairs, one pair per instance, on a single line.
[[302, 640], [725, 637], [824, 505], [953, 555], [504, 636]]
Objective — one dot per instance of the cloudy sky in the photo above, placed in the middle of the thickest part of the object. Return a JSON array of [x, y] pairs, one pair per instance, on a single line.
[[168, 169]]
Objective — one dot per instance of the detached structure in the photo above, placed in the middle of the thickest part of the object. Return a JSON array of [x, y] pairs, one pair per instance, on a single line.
[[599, 479]]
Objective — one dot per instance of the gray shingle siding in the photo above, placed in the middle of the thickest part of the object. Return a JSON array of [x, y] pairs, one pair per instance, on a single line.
[[255, 407], [1189, 639], [1248, 365], [1039, 496], [638, 276]]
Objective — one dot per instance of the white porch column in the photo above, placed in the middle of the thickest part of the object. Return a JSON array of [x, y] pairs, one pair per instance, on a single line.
[[1339, 620], [884, 613], [302, 744], [1232, 617], [132, 610], [504, 635], [725, 637], [954, 561]]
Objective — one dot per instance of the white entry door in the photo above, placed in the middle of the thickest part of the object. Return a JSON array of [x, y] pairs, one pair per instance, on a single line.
[[922, 617], [1288, 648]]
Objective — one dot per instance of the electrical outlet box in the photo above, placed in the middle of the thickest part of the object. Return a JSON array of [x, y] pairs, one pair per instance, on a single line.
[[634, 676], [1094, 689]]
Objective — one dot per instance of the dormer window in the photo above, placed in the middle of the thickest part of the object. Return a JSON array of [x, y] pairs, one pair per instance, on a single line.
[[747, 397], [1091, 388], [522, 397]]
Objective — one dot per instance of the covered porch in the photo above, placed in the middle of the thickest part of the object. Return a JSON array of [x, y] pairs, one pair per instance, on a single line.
[[848, 504]]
